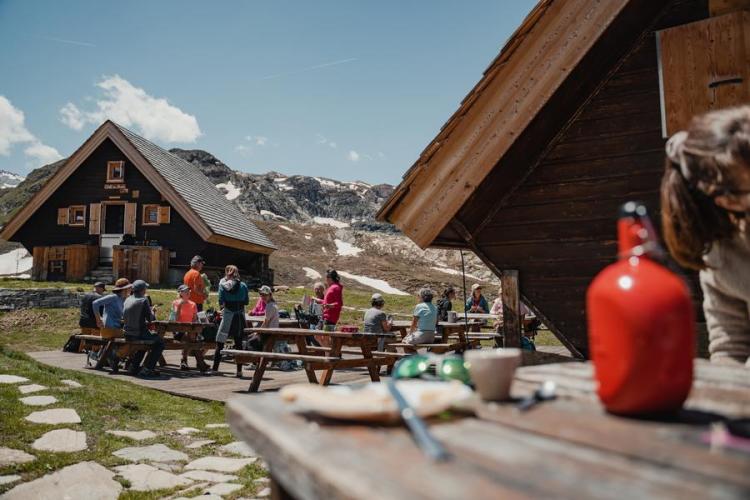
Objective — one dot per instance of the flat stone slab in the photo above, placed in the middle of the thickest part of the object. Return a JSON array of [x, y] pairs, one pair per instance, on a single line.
[[10, 456], [264, 493], [71, 383], [220, 464], [55, 416], [211, 477], [143, 477], [12, 379], [199, 444], [239, 448], [61, 441], [136, 435], [216, 426], [202, 497], [153, 453], [38, 400], [262, 480], [28, 389], [167, 467], [9, 479], [187, 430], [87, 480], [222, 489]]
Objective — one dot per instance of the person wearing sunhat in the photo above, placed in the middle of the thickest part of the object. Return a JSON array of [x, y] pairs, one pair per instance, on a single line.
[[477, 303], [233, 297], [109, 308], [137, 314], [87, 319]]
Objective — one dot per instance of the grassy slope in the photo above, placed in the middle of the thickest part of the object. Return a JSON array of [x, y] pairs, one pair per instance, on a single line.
[[104, 404]]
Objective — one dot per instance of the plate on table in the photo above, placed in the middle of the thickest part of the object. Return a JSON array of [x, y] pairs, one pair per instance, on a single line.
[[372, 402]]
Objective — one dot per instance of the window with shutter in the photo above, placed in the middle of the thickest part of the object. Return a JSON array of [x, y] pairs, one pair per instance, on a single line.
[[150, 215], [115, 171], [77, 215], [130, 218]]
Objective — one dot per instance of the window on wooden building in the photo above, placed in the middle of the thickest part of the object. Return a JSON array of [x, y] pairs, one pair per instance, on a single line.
[[77, 215], [115, 171], [150, 215]]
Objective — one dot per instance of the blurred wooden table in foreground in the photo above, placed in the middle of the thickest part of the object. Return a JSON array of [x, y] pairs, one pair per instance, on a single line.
[[567, 448]]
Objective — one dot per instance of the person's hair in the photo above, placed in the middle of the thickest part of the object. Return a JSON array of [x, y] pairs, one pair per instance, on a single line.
[[426, 294], [232, 271], [378, 302], [318, 286], [447, 292], [331, 273], [702, 163]]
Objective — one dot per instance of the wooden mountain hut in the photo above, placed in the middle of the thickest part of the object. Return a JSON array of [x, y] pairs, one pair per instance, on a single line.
[[568, 122], [122, 206]]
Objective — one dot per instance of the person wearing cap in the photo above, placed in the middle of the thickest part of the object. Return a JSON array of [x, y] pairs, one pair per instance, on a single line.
[[194, 281], [233, 297], [137, 314], [87, 319], [184, 310], [477, 303], [376, 320], [424, 320], [108, 309]]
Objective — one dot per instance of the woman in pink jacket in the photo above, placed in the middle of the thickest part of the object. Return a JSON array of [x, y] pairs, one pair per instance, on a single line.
[[333, 301]]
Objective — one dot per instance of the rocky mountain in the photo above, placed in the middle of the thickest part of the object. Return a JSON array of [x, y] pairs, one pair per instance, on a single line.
[[296, 198], [11, 199], [9, 179]]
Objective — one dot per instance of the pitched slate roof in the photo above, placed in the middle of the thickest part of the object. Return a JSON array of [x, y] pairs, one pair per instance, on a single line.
[[219, 214]]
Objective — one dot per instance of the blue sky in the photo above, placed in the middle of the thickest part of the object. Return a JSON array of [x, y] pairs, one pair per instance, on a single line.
[[351, 90]]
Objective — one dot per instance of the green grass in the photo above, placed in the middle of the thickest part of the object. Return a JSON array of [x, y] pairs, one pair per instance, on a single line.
[[105, 404]]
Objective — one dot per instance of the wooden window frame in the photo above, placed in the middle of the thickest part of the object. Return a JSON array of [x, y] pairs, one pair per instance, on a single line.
[[144, 219], [71, 215], [111, 165]]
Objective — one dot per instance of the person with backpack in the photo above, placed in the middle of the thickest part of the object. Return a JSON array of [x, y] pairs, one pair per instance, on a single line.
[[87, 319], [233, 297]]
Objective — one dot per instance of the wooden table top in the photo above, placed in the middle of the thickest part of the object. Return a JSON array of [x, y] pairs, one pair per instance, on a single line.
[[402, 323], [302, 332], [282, 321], [567, 448]]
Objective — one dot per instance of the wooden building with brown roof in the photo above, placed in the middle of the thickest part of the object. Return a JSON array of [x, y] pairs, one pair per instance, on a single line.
[[567, 123], [122, 206]]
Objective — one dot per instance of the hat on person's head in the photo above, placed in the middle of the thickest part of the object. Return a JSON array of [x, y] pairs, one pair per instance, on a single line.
[[121, 284], [100, 284], [183, 288], [196, 259], [376, 296], [264, 290], [475, 287], [139, 285]]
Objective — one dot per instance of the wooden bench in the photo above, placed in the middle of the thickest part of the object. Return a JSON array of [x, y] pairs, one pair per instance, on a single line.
[[437, 348]]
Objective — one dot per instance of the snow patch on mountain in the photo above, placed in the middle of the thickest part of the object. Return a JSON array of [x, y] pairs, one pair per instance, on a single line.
[[9, 179], [380, 285], [346, 249], [312, 273], [327, 221], [232, 191], [15, 262]]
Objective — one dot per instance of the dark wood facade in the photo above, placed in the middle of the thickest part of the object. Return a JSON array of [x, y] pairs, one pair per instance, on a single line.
[[548, 206], [88, 186]]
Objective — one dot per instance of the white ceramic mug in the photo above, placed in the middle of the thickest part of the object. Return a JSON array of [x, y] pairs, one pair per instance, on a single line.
[[492, 371], [452, 316]]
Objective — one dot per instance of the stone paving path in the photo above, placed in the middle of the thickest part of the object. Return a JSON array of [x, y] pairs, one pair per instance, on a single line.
[[153, 467]]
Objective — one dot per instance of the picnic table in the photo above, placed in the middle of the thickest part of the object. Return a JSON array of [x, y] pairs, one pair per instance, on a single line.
[[361, 346], [566, 448], [454, 335]]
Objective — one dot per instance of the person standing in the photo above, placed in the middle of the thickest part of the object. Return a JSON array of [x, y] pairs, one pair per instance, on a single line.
[[424, 320], [194, 281], [108, 309], [87, 319], [233, 297], [477, 303], [137, 315], [333, 301]]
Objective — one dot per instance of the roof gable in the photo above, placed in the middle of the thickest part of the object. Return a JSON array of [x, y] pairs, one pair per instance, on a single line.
[[181, 183]]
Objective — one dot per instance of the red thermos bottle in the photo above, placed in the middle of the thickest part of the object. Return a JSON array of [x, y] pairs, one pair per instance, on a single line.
[[641, 325]]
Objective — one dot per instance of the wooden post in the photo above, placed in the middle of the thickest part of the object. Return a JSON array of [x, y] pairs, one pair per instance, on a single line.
[[511, 309]]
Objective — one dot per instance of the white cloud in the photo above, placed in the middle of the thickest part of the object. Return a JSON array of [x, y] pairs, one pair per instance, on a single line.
[[153, 117], [353, 156], [323, 141], [258, 140], [13, 131], [333, 145]]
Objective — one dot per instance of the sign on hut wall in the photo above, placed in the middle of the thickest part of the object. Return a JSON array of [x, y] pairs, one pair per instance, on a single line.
[[703, 66]]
